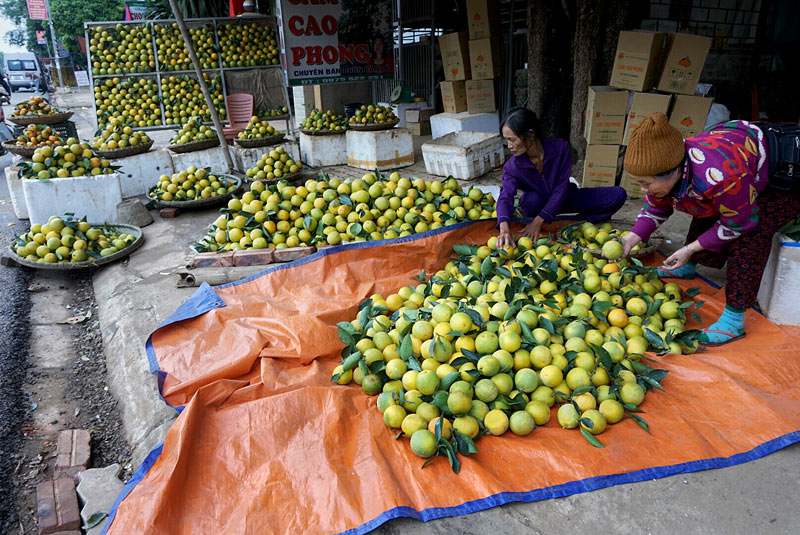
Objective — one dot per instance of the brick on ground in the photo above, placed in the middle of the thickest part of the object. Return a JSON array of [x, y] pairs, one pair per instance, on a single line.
[[57, 506], [73, 452]]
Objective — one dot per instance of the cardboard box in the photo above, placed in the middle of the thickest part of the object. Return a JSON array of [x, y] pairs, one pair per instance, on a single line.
[[685, 58], [689, 114], [484, 60], [481, 15], [480, 96], [638, 60], [454, 96], [606, 110], [455, 59], [600, 165], [420, 115], [419, 129], [633, 189], [642, 105]]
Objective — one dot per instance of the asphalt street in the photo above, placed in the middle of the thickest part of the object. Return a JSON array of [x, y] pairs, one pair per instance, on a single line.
[[14, 308]]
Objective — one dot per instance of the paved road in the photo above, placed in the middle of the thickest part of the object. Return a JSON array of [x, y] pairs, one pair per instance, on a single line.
[[14, 306]]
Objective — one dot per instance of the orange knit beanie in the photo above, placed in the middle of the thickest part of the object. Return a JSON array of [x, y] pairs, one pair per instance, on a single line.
[[655, 147]]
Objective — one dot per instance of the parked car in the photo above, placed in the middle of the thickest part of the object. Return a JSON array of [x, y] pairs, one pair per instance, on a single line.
[[23, 71]]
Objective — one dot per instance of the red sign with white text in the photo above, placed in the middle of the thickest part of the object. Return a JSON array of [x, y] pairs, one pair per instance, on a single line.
[[37, 10], [328, 41]]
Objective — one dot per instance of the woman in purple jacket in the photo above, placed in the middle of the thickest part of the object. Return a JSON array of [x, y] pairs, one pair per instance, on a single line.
[[541, 168]]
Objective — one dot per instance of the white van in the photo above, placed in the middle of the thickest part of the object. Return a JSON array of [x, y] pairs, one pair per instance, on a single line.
[[22, 70]]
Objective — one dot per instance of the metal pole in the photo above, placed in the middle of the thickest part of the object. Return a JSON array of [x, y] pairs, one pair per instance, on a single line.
[[55, 42], [187, 39]]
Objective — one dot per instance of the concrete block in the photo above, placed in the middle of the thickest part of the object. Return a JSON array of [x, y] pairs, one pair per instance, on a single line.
[[213, 158], [381, 150], [15, 191], [321, 151], [98, 488], [780, 285], [93, 197], [140, 172], [57, 506], [73, 451], [133, 212], [447, 123]]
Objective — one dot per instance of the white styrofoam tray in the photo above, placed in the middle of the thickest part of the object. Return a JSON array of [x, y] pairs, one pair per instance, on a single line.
[[463, 155]]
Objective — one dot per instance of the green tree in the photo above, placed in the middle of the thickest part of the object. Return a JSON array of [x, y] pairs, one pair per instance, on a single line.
[[68, 18]]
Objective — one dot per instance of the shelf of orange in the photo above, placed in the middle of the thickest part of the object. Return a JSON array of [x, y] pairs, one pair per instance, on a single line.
[[266, 442]]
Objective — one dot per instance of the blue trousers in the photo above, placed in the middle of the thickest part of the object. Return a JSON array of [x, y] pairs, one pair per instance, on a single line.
[[590, 204]]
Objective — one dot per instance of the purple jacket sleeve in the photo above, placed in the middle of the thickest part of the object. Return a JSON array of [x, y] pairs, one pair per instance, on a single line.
[[560, 186], [654, 212], [508, 190]]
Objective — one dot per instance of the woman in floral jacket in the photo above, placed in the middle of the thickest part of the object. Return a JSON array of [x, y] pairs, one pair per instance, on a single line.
[[720, 177]]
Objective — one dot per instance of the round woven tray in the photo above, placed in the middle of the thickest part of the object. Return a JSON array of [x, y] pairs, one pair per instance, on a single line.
[[260, 142], [125, 151], [199, 203], [41, 119], [195, 145], [138, 241], [323, 132], [565, 236], [25, 152], [373, 127]]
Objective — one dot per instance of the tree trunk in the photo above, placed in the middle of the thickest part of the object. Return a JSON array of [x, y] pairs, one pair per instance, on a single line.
[[537, 24], [584, 55]]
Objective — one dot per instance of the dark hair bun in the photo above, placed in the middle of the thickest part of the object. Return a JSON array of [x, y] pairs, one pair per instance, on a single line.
[[523, 122]]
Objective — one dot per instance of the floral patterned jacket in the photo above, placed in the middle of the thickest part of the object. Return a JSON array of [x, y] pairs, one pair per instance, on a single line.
[[724, 171]]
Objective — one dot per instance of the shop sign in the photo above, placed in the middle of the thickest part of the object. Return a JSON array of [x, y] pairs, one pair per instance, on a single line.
[[325, 41]]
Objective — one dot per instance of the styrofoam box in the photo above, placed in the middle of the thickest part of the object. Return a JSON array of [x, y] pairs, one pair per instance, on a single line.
[[244, 159], [779, 294], [213, 158], [447, 123], [400, 109], [320, 151], [463, 155], [380, 150], [140, 172], [16, 193], [93, 197]]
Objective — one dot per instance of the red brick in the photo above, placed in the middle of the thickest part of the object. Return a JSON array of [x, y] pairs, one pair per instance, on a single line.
[[253, 257], [57, 506], [293, 253], [212, 260], [169, 213], [72, 452]]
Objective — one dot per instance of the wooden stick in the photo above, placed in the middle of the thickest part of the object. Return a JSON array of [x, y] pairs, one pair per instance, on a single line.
[[187, 39]]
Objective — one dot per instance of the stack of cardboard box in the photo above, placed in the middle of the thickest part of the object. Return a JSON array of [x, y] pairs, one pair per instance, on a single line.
[[471, 65], [418, 121], [645, 60]]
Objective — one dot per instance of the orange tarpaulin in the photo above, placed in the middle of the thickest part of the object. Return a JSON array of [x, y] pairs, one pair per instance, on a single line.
[[265, 443]]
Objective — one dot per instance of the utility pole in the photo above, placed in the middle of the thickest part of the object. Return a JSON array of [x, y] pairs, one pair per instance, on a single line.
[[55, 42]]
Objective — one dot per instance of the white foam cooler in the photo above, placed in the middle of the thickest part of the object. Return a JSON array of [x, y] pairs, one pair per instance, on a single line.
[[93, 197], [321, 151], [15, 191], [463, 155], [140, 172], [447, 123], [779, 294], [380, 150], [213, 158]]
